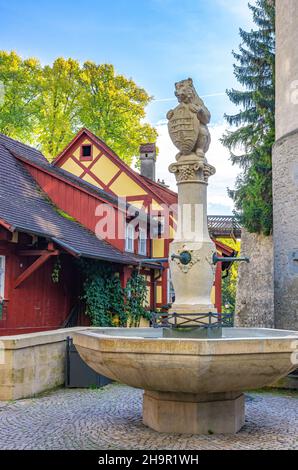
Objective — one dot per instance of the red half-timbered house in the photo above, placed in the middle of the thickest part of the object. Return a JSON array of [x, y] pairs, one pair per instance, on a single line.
[[46, 212]]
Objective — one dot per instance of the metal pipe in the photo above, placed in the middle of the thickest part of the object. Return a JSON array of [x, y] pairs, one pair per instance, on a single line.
[[227, 259]]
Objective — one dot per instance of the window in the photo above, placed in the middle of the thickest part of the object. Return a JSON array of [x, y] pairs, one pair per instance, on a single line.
[[142, 241], [2, 276], [129, 242], [171, 291], [159, 228], [86, 152]]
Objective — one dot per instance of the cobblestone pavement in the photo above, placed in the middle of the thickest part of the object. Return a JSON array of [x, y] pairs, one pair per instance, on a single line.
[[110, 418]]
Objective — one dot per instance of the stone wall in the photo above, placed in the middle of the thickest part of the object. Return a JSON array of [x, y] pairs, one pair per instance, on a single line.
[[285, 167], [285, 209], [32, 363], [255, 298]]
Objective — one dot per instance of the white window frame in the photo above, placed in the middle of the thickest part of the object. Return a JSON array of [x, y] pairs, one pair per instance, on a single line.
[[170, 288], [142, 241], [2, 276], [129, 238], [159, 228]]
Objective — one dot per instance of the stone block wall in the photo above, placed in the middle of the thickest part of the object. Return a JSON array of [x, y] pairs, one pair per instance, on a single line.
[[32, 363], [255, 293]]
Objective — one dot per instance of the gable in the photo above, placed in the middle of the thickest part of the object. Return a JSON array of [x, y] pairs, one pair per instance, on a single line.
[[105, 169]]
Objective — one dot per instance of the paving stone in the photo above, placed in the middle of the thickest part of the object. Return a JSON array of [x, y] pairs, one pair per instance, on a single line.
[[111, 418]]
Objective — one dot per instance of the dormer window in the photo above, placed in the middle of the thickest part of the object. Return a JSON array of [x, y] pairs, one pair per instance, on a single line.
[[86, 152]]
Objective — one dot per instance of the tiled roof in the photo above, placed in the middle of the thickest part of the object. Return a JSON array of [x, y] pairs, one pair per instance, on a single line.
[[166, 195], [224, 225], [148, 148], [65, 175], [25, 207]]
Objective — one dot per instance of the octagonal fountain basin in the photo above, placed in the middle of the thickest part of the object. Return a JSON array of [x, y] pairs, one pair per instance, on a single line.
[[191, 386]]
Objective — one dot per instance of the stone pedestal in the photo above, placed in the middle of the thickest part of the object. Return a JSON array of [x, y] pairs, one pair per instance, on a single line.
[[181, 413], [192, 282]]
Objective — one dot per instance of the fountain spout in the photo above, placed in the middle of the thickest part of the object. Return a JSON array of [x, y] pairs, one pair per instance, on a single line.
[[230, 259], [184, 257]]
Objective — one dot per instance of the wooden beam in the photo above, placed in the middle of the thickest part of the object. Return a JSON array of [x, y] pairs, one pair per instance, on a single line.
[[15, 237], [6, 225], [37, 252], [32, 268]]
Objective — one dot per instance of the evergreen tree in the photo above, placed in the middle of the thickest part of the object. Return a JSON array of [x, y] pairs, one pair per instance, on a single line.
[[255, 122]]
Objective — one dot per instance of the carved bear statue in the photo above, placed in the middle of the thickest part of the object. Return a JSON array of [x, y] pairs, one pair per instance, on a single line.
[[188, 121]]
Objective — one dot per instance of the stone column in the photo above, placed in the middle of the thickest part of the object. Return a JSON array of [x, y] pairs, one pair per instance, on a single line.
[[285, 167], [193, 279], [192, 282]]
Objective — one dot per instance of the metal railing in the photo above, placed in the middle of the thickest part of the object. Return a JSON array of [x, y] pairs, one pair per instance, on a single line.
[[192, 320]]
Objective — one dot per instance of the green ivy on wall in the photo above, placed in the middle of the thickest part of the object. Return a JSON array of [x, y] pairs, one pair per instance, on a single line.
[[136, 296], [56, 271], [107, 302]]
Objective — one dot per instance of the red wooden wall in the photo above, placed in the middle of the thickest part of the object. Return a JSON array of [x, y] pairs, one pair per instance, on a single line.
[[77, 203], [38, 304]]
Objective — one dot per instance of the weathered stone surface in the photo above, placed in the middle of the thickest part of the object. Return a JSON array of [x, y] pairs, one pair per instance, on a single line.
[[255, 296], [32, 363], [190, 370], [286, 67], [285, 207], [285, 166], [193, 414], [188, 121]]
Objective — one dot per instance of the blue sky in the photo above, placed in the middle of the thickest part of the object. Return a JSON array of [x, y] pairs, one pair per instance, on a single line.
[[156, 42]]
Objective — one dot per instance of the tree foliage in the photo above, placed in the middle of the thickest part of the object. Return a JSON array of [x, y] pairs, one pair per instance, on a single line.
[[229, 282], [46, 106], [255, 121]]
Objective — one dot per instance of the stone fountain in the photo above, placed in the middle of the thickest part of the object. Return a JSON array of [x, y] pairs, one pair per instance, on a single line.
[[193, 380]]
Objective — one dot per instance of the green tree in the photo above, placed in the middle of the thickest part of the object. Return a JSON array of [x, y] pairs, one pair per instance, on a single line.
[[19, 79], [113, 107], [229, 281], [255, 122], [57, 105], [46, 106]]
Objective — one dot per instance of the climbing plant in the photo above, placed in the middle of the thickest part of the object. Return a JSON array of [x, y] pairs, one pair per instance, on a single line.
[[107, 301], [56, 271], [136, 296], [229, 283], [100, 285]]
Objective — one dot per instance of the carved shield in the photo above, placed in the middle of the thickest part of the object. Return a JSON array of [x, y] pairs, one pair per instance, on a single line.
[[184, 128]]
